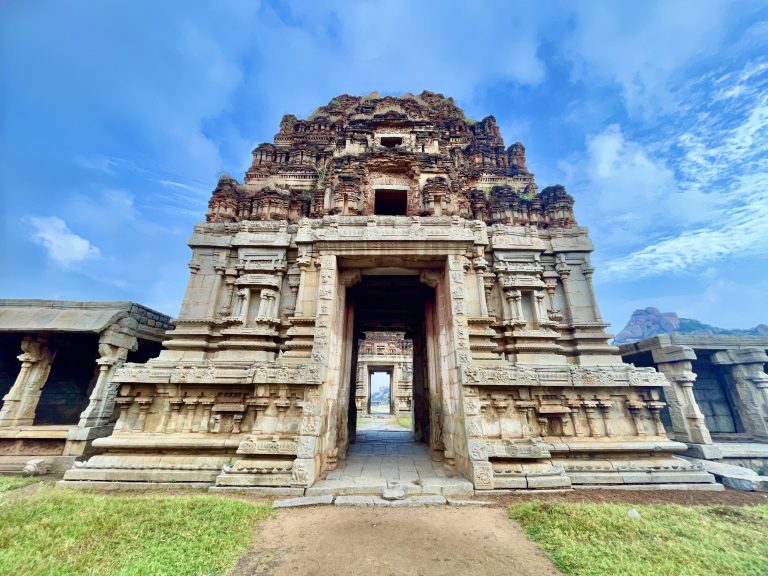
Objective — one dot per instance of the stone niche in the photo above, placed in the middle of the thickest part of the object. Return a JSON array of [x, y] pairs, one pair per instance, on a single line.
[[513, 383]]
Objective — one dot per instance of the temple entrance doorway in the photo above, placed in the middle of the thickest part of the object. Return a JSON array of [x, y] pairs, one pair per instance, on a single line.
[[390, 433]]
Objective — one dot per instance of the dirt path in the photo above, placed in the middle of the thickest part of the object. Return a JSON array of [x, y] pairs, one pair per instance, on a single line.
[[402, 542]]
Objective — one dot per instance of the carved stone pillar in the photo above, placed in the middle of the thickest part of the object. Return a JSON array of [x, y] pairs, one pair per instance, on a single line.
[[688, 422], [514, 297], [541, 313], [114, 345], [750, 382], [565, 272], [480, 265], [244, 299], [20, 403]]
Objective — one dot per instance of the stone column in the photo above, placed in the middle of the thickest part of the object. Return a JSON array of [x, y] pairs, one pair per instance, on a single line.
[[565, 272], [688, 423], [541, 313], [114, 344], [20, 403], [480, 265], [514, 297], [750, 383]]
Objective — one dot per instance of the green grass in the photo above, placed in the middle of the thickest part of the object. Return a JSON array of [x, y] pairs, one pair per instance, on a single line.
[[601, 540], [60, 532], [8, 483], [405, 422]]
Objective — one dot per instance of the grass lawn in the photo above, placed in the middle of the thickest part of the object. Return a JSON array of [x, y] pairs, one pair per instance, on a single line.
[[668, 540], [60, 532], [405, 422], [8, 483]]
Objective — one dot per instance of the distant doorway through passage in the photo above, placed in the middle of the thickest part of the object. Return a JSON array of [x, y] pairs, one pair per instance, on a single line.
[[380, 400]]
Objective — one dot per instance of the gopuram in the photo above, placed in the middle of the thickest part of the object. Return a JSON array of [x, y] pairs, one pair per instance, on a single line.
[[389, 214]]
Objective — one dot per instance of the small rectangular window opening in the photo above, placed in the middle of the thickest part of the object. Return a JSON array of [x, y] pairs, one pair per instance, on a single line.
[[390, 202], [391, 141]]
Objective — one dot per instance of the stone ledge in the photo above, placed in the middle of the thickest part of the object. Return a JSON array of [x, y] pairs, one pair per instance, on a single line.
[[303, 501], [266, 491], [454, 502], [413, 501], [364, 486], [681, 486], [116, 485]]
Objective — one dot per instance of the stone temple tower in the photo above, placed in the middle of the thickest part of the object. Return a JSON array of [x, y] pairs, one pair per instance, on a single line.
[[389, 214]]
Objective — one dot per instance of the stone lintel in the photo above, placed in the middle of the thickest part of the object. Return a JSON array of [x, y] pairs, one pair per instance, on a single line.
[[673, 353], [740, 356]]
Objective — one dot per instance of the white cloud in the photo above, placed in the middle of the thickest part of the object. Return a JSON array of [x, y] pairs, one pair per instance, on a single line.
[[630, 191], [63, 246], [741, 230], [724, 158], [643, 47]]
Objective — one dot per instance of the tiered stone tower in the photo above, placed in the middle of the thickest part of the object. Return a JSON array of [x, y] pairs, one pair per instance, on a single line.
[[386, 213]]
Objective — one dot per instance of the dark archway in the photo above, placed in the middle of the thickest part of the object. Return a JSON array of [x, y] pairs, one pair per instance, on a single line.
[[397, 304]]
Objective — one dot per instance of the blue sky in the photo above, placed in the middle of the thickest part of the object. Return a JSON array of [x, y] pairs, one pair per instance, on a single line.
[[116, 118]]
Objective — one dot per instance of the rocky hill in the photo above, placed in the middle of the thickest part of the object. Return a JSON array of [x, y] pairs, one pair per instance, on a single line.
[[650, 322]]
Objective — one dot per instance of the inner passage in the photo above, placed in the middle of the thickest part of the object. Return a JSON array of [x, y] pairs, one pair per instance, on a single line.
[[384, 391]]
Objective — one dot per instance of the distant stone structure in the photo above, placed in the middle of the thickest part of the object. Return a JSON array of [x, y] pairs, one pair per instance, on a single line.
[[388, 352], [58, 395], [717, 401], [389, 214]]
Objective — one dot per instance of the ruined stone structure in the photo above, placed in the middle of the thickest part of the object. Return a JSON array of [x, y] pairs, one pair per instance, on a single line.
[[385, 352], [717, 401], [58, 394], [389, 214]]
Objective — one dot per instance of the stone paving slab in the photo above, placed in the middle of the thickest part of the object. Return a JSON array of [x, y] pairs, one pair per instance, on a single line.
[[303, 501], [413, 501], [347, 487], [357, 501]]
